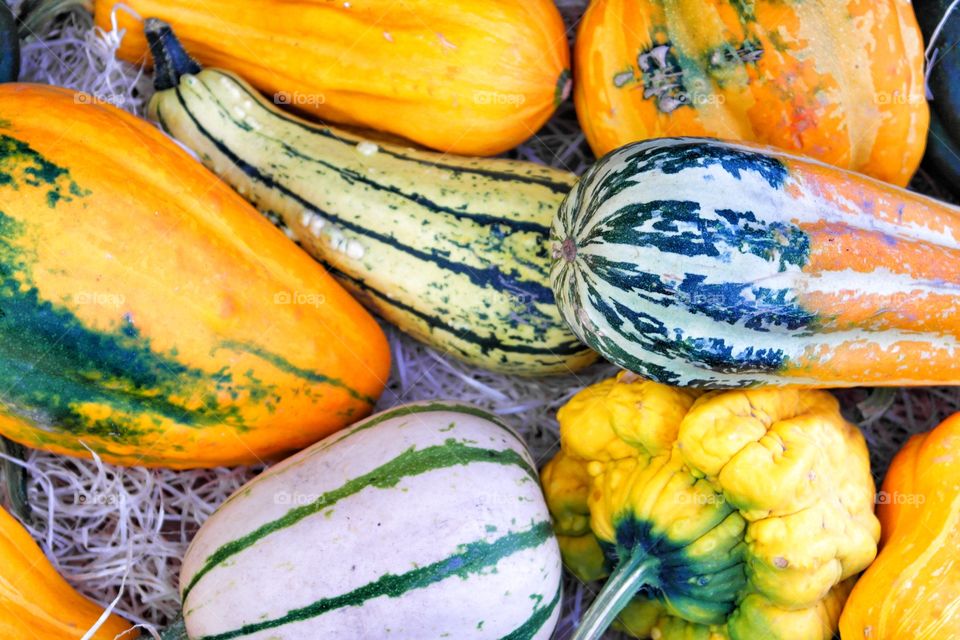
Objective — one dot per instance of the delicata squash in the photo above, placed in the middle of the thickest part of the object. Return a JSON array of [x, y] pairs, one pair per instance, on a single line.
[[702, 263], [149, 314], [423, 522], [733, 515], [451, 250], [36, 603], [473, 77]]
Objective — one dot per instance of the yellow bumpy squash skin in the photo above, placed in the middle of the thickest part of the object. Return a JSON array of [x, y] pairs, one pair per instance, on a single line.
[[721, 515]]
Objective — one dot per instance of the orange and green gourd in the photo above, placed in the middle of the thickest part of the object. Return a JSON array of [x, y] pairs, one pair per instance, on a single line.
[[839, 80], [725, 515], [696, 262], [912, 590], [36, 603], [151, 316]]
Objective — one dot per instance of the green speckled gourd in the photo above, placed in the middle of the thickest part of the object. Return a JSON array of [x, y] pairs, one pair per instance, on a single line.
[[145, 308], [451, 250]]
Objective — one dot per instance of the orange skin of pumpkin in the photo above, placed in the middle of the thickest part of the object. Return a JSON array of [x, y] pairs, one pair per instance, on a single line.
[[36, 603], [839, 80], [196, 269], [472, 77], [912, 590]]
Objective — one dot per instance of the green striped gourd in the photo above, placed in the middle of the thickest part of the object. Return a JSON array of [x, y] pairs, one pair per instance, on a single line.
[[451, 250], [423, 521], [703, 263]]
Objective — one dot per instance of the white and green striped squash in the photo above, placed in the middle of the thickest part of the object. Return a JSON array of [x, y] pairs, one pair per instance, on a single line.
[[451, 250], [705, 263], [423, 521]]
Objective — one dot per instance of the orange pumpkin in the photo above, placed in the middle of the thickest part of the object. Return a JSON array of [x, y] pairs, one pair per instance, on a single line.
[[36, 603], [912, 590], [838, 80], [150, 314], [474, 77]]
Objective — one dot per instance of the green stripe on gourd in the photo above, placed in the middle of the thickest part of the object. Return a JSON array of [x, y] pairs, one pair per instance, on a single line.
[[54, 367], [652, 280], [473, 559], [384, 416], [408, 463], [453, 251], [452, 472], [51, 364]]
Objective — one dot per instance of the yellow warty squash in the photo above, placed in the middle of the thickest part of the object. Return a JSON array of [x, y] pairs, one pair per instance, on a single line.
[[725, 515]]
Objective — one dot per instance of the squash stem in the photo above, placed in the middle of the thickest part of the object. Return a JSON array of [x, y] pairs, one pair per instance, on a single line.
[[35, 15], [13, 478], [176, 631], [9, 46], [632, 573], [170, 60]]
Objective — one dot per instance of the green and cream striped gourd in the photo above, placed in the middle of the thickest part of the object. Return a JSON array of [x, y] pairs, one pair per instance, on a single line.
[[451, 250], [423, 521], [704, 263]]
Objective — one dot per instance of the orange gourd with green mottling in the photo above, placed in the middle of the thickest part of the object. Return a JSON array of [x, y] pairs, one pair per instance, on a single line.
[[839, 80], [36, 603], [472, 77], [912, 590], [149, 314]]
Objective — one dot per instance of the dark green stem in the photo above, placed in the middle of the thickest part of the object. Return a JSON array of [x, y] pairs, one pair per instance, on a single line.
[[36, 15], [170, 60], [564, 86], [14, 479], [176, 631], [634, 571], [9, 45]]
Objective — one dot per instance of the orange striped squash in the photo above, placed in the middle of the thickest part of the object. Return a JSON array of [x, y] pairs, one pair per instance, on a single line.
[[839, 80], [701, 263], [912, 590]]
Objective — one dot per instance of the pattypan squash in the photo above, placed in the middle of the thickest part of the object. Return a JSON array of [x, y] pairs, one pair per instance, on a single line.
[[714, 515]]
